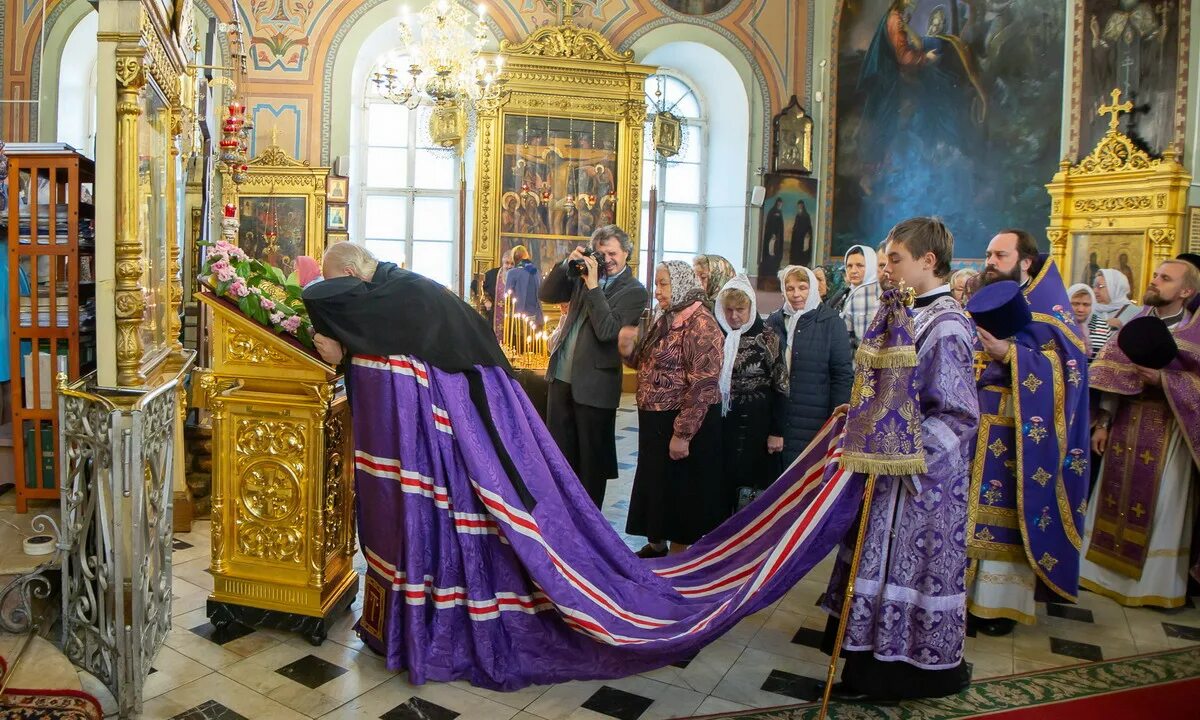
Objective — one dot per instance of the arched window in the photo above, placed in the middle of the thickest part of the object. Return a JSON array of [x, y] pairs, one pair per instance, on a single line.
[[407, 195], [681, 180], [76, 121]]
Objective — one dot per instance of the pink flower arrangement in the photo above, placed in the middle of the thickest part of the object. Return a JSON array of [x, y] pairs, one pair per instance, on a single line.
[[223, 270], [291, 323], [237, 277], [267, 304], [276, 318], [238, 288]]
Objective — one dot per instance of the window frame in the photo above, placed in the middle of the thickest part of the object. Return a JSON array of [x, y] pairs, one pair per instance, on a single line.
[[658, 178], [361, 191]]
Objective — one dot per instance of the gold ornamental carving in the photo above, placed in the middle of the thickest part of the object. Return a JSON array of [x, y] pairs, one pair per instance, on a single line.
[[1112, 204], [1118, 201], [271, 542], [241, 347], [567, 42], [334, 473], [278, 438], [270, 490]]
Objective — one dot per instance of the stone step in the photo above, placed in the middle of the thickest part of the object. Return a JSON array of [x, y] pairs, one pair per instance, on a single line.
[[42, 666]]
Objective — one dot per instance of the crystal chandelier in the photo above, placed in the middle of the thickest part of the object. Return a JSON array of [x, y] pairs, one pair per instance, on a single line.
[[443, 45]]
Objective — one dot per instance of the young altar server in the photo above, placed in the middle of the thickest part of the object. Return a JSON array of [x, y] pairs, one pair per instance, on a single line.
[[906, 633]]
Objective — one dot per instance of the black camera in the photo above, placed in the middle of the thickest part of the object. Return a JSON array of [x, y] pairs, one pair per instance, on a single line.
[[578, 268]]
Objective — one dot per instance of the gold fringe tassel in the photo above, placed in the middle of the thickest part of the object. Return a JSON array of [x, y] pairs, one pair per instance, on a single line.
[[855, 462], [892, 358]]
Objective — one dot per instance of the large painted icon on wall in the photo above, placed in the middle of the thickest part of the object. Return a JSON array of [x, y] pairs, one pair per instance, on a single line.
[[949, 108], [1131, 45], [560, 184], [787, 226], [696, 7]]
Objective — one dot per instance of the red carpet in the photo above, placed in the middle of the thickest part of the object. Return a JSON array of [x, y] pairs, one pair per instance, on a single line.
[[1159, 702], [21, 704]]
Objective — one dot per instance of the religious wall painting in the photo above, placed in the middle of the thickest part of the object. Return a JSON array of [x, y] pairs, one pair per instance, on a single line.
[[697, 7], [273, 229], [337, 189], [787, 227], [1136, 47], [559, 182], [335, 216], [1124, 252], [944, 111], [792, 140]]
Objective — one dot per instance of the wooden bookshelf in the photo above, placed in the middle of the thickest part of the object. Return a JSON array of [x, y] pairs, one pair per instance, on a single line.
[[52, 301]]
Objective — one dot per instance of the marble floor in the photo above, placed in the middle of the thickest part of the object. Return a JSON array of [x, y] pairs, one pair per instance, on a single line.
[[769, 659]]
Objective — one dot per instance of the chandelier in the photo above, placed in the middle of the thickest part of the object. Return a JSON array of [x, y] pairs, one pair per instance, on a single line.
[[443, 45]]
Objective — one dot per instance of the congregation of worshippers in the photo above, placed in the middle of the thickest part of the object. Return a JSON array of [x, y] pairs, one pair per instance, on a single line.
[[1080, 401]]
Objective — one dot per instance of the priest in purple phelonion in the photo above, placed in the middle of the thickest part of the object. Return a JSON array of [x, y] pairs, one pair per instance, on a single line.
[[1029, 474], [1139, 524]]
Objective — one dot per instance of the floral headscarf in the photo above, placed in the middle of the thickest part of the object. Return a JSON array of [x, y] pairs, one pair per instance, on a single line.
[[685, 292], [720, 271]]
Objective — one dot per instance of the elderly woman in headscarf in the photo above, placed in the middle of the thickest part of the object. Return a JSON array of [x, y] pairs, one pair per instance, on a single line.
[[713, 271], [677, 492], [815, 346], [1112, 309], [754, 381]]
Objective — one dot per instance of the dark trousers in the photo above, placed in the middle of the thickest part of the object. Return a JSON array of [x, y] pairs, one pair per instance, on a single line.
[[586, 437]]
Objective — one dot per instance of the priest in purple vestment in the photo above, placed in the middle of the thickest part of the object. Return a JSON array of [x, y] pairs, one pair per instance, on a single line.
[[1148, 432], [1030, 471], [486, 558], [906, 632]]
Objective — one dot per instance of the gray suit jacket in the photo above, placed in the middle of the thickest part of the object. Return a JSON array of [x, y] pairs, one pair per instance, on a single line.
[[596, 367]]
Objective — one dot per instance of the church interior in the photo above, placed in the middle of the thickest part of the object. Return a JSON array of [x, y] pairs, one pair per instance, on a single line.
[[203, 156]]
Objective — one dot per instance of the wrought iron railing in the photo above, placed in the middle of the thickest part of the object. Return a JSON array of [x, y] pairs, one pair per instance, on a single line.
[[116, 479]]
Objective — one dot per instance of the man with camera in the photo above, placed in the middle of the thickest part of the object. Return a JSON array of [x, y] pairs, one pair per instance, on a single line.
[[585, 368]]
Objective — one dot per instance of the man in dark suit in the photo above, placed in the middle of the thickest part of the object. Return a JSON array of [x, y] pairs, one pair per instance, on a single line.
[[585, 368]]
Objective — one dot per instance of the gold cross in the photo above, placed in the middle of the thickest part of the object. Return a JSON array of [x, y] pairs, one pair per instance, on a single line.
[[1114, 111], [1147, 457], [1110, 501], [1138, 510], [274, 135]]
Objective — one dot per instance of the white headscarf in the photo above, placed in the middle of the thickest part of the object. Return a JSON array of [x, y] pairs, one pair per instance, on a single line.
[[871, 276], [733, 337], [791, 316], [1118, 294], [1075, 290]]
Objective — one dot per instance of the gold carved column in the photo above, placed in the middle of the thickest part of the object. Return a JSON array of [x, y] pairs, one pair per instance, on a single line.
[[128, 301]]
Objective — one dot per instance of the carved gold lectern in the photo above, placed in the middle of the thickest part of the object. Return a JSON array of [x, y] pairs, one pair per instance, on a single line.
[[1117, 208], [283, 481]]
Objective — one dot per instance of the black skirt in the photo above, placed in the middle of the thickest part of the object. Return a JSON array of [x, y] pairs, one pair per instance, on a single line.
[[746, 462], [676, 500]]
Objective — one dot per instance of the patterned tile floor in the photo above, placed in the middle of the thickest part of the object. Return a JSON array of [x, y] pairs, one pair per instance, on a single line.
[[769, 659]]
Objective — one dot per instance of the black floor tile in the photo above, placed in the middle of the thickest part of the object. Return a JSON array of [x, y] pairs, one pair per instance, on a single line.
[[1079, 650], [418, 709], [682, 664], [808, 636], [1070, 612], [1183, 632], [312, 671], [178, 544], [971, 631], [617, 703], [209, 710], [794, 686], [152, 671], [229, 634]]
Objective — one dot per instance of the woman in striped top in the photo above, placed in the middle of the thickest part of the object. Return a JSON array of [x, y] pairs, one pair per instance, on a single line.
[[1113, 307]]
